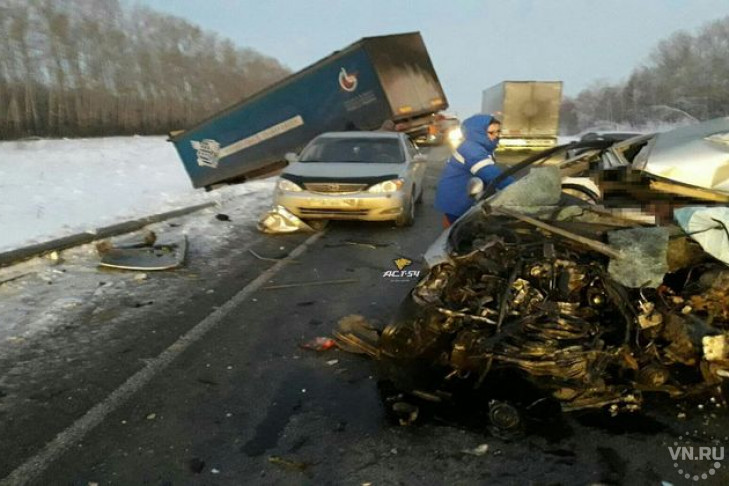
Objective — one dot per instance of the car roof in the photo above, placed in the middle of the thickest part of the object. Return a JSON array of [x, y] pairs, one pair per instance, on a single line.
[[362, 134]]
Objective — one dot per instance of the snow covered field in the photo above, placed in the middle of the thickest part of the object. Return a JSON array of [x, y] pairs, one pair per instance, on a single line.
[[53, 188]]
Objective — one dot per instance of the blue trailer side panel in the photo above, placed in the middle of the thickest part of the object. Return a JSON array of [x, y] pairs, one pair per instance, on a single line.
[[342, 93]]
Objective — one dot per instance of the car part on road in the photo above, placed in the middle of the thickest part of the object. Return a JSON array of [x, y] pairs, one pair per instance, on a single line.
[[14, 256], [145, 257], [299, 466], [312, 283], [355, 335], [279, 220]]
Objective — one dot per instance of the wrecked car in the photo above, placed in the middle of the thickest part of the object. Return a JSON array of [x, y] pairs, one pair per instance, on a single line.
[[537, 297]]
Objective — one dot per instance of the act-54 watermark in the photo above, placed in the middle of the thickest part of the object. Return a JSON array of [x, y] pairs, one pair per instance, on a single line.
[[401, 274]]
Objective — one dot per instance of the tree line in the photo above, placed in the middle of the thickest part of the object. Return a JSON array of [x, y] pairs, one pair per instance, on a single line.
[[686, 78], [99, 67]]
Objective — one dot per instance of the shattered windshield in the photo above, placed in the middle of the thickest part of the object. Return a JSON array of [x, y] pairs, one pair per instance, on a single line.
[[383, 150]]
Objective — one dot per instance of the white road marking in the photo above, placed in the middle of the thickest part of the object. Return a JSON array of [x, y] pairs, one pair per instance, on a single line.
[[36, 465]]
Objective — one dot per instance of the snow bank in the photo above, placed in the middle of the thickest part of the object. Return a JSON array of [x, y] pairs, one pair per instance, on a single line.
[[54, 188]]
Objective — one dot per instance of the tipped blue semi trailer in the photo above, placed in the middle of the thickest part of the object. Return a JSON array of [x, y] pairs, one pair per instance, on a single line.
[[358, 88]]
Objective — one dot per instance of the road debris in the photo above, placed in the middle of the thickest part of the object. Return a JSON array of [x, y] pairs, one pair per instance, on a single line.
[[299, 466], [269, 259], [356, 335], [477, 451], [407, 413], [319, 344], [373, 246], [279, 220], [147, 255], [308, 284]]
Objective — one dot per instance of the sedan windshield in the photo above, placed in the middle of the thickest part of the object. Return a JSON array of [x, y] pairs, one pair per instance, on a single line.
[[329, 149]]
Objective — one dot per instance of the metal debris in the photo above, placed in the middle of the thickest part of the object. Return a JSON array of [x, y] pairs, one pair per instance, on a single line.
[[299, 466], [643, 256], [269, 259], [356, 335], [308, 284], [477, 451], [280, 220], [524, 313]]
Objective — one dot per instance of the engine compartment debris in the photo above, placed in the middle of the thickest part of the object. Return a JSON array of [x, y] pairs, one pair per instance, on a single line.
[[569, 307], [542, 306]]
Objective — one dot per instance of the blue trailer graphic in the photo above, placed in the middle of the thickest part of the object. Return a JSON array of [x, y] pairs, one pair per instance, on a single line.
[[358, 88]]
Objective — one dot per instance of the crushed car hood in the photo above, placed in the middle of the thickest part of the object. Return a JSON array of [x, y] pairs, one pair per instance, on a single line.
[[697, 155]]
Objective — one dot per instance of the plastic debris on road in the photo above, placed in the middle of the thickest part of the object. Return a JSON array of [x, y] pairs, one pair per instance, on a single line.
[[320, 344]]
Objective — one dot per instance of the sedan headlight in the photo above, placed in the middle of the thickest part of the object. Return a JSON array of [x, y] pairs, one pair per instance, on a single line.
[[288, 186], [387, 186], [455, 135]]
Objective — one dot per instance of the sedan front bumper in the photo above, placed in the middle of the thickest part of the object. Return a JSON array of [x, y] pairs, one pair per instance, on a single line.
[[356, 206]]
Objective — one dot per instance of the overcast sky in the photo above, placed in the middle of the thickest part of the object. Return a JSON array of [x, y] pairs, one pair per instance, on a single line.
[[473, 44]]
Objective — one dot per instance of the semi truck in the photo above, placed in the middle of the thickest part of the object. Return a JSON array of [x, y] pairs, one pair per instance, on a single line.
[[357, 88], [529, 113]]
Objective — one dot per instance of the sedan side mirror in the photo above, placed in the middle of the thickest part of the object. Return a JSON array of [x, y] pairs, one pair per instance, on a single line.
[[420, 159], [475, 187], [291, 157]]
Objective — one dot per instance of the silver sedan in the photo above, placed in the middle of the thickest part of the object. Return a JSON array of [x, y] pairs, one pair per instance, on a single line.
[[368, 176]]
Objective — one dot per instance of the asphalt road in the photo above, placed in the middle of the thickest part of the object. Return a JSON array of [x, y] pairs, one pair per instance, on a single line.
[[243, 403]]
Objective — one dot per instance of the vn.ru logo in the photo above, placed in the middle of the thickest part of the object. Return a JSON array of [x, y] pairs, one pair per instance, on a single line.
[[697, 457], [401, 264]]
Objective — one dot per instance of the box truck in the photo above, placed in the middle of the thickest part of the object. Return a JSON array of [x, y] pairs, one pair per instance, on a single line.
[[529, 113]]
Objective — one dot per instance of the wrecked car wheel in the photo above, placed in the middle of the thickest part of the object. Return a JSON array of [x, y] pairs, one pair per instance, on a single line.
[[506, 420]]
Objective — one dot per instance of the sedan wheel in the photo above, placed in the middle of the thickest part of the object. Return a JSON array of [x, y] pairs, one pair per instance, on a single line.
[[408, 216]]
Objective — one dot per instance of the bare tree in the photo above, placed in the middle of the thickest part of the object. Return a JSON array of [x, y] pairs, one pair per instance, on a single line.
[[685, 78], [97, 67]]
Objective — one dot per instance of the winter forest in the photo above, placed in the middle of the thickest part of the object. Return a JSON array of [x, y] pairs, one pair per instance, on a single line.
[[105, 67], [101, 67], [686, 78]]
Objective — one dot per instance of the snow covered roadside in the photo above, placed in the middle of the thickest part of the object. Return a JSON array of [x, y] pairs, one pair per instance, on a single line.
[[54, 188]]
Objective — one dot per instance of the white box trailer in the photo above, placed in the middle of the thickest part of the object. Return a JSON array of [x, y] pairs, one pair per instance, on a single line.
[[529, 113]]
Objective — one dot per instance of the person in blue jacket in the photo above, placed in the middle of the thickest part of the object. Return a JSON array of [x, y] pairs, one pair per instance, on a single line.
[[473, 157]]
